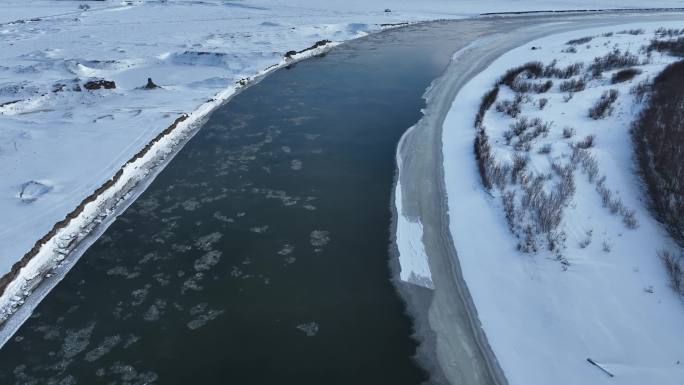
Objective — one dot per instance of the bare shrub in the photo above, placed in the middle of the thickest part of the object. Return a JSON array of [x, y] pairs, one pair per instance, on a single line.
[[566, 186], [545, 149], [542, 87], [498, 175], [606, 247], [607, 34], [546, 208], [615, 205], [629, 218], [658, 135], [508, 136], [520, 125], [483, 156], [573, 85], [528, 130], [510, 107], [521, 86], [540, 127], [605, 193], [570, 50], [560, 169], [522, 145], [673, 46], [589, 166], [587, 142], [580, 41], [508, 200], [528, 244], [551, 241], [577, 155], [519, 164], [542, 103], [555, 240], [539, 210], [668, 32], [624, 75], [640, 90], [532, 70], [568, 132], [487, 100], [639, 31], [675, 270], [569, 71], [481, 145], [587, 239], [604, 106], [611, 61], [553, 71], [550, 69]]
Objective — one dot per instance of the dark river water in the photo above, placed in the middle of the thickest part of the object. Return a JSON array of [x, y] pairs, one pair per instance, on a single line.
[[260, 254]]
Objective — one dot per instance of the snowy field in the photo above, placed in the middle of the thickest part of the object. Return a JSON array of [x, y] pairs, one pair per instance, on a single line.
[[562, 257]]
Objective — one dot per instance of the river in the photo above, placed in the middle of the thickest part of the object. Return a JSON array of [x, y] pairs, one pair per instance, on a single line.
[[260, 254]]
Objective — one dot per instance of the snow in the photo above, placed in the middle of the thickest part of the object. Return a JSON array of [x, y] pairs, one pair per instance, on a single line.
[[544, 318]]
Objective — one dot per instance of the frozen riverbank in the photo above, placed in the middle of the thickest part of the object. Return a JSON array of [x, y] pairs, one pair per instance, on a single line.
[[456, 235]]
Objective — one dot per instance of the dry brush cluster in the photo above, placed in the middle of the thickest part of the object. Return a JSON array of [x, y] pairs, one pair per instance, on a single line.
[[674, 263], [658, 135], [533, 201]]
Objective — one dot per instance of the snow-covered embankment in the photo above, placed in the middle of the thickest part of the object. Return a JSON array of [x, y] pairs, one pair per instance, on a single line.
[[560, 255]]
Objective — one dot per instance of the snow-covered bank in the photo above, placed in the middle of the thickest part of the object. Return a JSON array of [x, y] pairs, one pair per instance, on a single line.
[[608, 297], [62, 141]]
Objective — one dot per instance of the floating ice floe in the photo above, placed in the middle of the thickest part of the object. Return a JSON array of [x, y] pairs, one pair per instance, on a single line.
[[309, 328]]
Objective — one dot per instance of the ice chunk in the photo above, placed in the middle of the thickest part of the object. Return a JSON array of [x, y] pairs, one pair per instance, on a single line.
[[309, 328]]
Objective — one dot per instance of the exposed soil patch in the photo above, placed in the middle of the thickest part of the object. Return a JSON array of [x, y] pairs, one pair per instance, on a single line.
[[317, 44], [98, 84]]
